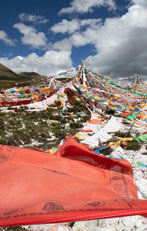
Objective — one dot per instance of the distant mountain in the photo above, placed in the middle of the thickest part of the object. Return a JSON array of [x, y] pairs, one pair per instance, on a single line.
[[7, 74], [31, 75], [8, 77]]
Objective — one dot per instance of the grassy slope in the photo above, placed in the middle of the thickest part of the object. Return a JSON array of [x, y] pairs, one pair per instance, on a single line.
[[43, 129]]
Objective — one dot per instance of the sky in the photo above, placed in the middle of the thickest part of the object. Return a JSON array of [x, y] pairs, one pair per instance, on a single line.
[[51, 36]]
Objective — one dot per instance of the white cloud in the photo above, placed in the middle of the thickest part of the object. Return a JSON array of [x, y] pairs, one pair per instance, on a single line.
[[5, 39], [140, 2], [31, 36], [64, 44], [74, 25], [81, 37], [78, 39], [37, 19], [85, 37], [83, 6], [66, 26], [121, 44], [136, 17], [50, 63]]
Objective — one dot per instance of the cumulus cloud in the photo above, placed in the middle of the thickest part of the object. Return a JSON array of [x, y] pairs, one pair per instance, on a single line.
[[140, 2], [64, 44], [74, 25], [121, 44], [66, 26], [5, 39], [84, 6], [31, 36], [37, 19], [81, 37], [50, 63]]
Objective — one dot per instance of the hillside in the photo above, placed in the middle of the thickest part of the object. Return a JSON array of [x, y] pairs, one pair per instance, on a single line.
[[7, 74], [8, 78], [31, 75]]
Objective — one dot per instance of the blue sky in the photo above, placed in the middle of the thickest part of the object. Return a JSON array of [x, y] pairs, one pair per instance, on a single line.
[[49, 36]]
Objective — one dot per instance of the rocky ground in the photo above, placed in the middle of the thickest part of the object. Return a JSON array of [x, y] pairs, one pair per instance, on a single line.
[[45, 129]]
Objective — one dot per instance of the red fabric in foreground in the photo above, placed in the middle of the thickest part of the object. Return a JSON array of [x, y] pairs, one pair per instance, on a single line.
[[74, 184]]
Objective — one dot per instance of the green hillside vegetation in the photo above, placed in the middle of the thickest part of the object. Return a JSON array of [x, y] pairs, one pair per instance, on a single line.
[[41, 130]]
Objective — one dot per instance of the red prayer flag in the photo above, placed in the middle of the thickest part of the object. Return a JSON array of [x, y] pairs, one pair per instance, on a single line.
[[72, 185]]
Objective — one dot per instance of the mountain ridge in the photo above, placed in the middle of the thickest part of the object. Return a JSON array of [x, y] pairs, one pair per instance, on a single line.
[[9, 78], [6, 73]]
